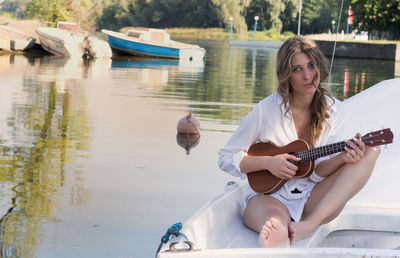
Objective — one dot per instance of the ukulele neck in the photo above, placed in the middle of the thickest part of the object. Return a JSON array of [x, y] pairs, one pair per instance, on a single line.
[[318, 152]]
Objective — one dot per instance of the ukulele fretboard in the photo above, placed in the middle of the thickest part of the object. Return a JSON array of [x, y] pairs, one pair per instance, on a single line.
[[318, 152]]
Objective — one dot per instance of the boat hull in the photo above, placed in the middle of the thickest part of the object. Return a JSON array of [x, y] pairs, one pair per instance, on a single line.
[[52, 44], [63, 43], [127, 45]]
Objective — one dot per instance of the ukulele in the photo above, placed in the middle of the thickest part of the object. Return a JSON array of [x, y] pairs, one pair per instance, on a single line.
[[265, 182]]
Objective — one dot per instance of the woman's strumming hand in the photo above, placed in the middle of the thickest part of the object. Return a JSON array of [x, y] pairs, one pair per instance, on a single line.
[[281, 167]]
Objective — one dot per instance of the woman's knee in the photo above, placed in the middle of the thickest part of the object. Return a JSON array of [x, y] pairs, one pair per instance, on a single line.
[[373, 153], [260, 209]]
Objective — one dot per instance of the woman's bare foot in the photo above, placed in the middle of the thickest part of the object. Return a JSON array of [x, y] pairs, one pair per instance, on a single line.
[[274, 234], [300, 230]]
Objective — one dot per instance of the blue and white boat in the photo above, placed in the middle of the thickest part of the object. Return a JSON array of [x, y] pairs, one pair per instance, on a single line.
[[152, 43]]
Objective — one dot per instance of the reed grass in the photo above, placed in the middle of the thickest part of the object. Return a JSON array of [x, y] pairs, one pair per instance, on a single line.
[[220, 33]]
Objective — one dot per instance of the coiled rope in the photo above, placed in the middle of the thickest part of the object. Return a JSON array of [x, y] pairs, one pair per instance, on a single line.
[[172, 231]]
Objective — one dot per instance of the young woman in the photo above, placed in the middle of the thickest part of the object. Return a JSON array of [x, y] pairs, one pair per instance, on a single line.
[[300, 109]]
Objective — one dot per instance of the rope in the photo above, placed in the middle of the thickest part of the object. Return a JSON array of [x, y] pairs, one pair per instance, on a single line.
[[334, 46], [194, 126], [172, 231]]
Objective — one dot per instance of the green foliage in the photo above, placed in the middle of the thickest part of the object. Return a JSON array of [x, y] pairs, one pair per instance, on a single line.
[[383, 15], [159, 14], [49, 10], [289, 16], [232, 8], [13, 8], [281, 15], [85, 12], [116, 15], [274, 15], [276, 7], [317, 15]]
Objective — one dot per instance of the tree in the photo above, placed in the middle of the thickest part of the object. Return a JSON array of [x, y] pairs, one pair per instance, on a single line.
[[49, 10], [272, 14], [14, 7], [117, 15], [289, 16], [382, 16], [232, 8], [85, 12], [317, 15]]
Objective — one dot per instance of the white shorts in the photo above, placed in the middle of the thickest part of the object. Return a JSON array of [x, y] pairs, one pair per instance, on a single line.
[[294, 202]]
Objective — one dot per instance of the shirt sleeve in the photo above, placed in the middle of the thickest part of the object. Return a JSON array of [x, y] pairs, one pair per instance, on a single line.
[[336, 131], [236, 148]]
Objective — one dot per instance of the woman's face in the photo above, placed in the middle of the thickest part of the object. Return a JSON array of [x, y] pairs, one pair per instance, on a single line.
[[303, 73]]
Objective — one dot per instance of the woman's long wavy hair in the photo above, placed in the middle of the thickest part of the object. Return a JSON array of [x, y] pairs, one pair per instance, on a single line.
[[319, 105]]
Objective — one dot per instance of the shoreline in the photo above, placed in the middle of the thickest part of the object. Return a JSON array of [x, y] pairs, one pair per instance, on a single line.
[[346, 45]]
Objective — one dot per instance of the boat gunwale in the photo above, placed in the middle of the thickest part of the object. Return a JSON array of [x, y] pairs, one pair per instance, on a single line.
[[48, 36], [285, 252], [146, 42]]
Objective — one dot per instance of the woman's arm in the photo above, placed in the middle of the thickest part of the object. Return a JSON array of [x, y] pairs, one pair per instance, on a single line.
[[329, 166], [278, 165], [350, 155]]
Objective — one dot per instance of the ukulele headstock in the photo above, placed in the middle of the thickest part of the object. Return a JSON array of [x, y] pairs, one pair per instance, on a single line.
[[380, 137]]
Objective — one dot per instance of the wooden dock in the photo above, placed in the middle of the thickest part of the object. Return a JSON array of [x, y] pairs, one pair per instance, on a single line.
[[13, 32]]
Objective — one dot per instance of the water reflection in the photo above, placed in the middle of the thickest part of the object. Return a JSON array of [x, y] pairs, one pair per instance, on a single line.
[[351, 76], [187, 141], [44, 127], [66, 71], [155, 73]]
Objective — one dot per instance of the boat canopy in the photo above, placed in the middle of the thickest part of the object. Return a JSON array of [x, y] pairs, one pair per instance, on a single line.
[[155, 35], [68, 26]]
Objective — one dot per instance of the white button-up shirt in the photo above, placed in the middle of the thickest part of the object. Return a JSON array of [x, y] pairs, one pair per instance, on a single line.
[[268, 122]]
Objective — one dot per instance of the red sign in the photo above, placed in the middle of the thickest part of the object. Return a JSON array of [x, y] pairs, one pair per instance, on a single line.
[[350, 20]]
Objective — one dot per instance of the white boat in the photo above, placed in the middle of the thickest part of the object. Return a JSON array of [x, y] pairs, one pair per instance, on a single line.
[[369, 226], [152, 43], [67, 40]]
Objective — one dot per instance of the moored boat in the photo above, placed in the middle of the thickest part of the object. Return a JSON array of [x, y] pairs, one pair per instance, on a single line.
[[152, 43], [67, 40], [367, 227]]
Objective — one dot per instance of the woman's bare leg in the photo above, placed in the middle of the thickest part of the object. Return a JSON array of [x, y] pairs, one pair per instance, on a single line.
[[329, 197], [270, 218]]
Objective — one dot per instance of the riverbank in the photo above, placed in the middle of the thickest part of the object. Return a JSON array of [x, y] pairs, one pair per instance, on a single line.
[[29, 26], [220, 33], [347, 46]]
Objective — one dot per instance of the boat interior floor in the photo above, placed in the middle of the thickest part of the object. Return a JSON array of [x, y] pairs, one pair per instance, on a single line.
[[358, 228]]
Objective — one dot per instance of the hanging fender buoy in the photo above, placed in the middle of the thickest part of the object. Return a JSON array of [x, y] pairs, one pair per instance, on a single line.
[[189, 125]]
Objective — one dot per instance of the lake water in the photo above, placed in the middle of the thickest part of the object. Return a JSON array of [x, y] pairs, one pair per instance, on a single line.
[[90, 161]]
